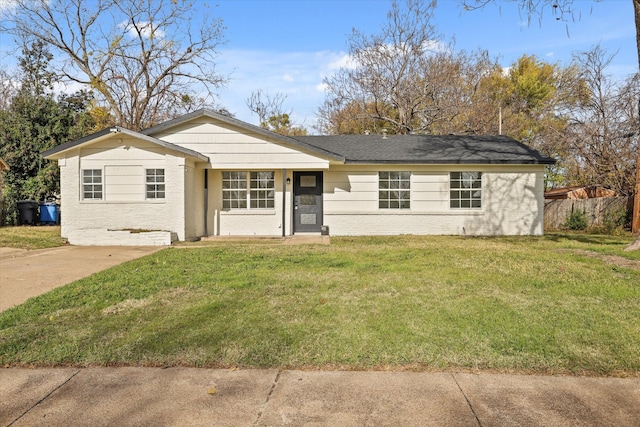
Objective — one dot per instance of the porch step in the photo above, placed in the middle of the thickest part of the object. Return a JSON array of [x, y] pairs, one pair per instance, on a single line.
[[296, 239]]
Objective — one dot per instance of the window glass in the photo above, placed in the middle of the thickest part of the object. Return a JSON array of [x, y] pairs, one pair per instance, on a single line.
[[466, 190], [155, 184], [92, 184], [253, 190], [394, 190]]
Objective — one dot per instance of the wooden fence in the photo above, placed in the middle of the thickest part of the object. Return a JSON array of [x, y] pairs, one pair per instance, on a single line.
[[599, 212]]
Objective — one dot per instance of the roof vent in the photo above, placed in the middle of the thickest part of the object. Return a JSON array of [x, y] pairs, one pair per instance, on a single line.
[[384, 134]]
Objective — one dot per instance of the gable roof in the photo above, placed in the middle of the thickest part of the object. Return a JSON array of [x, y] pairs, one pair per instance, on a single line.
[[428, 149], [294, 142], [107, 133]]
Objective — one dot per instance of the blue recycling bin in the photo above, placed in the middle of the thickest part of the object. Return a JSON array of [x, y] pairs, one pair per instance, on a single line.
[[49, 213]]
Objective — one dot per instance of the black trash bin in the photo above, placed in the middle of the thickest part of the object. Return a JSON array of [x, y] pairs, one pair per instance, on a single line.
[[27, 212]]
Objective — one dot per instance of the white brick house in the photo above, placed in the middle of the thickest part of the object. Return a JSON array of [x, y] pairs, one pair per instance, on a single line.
[[204, 174]]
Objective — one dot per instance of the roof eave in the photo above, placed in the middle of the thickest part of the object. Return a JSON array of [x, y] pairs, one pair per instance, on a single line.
[[55, 152], [448, 162]]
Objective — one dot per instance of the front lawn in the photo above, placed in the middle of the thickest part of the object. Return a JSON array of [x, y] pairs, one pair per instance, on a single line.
[[553, 304], [29, 237]]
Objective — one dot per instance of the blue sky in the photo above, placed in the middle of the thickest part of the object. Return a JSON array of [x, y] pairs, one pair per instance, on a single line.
[[289, 46]]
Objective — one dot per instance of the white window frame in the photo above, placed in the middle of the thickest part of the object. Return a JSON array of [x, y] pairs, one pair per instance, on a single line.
[[248, 190], [394, 190], [465, 190], [154, 184], [262, 189], [92, 184]]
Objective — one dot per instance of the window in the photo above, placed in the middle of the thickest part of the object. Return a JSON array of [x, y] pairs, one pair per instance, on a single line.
[[394, 190], [465, 190], [234, 190], [92, 184], [260, 186], [262, 190], [155, 184]]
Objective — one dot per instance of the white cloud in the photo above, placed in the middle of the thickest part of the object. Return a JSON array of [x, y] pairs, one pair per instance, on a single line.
[[146, 30], [298, 75], [7, 5], [344, 61]]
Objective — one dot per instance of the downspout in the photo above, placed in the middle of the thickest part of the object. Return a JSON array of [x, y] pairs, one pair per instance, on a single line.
[[206, 201], [284, 200]]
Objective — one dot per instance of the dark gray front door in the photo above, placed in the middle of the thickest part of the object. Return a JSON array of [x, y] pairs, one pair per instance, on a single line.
[[307, 210]]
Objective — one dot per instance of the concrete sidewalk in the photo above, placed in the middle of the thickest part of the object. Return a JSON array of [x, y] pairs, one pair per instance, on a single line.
[[214, 397]]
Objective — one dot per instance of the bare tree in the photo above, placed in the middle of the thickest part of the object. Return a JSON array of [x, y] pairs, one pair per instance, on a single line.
[[8, 88], [385, 81], [271, 115], [562, 10], [266, 105], [601, 129], [145, 59]]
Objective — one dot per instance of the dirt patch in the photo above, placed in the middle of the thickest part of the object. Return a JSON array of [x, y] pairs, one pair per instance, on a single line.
[[616, 260], [125, 306]]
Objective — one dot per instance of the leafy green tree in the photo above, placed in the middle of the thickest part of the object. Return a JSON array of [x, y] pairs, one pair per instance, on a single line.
[[35, 122]]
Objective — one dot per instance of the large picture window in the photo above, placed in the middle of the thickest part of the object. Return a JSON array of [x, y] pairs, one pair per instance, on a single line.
[[92, 184], [394, 190], [253, 190], [465, 190], [155, 184]]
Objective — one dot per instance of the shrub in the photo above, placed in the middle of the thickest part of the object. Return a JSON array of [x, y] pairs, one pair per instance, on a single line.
[[577, 221]]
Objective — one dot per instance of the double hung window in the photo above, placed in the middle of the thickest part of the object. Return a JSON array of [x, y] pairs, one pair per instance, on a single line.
[[465, 190], [92, 184], [155, 184], [394, 190]]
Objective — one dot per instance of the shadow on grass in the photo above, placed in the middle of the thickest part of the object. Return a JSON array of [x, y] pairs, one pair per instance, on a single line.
[[589, 239]]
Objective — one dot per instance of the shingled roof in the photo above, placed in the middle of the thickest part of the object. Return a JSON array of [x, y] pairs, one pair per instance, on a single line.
[[428, 149]]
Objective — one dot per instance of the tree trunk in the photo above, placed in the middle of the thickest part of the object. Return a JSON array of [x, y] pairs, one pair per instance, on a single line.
[[635, 221]]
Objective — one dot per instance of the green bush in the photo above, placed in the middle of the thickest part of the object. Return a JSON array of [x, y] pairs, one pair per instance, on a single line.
[[577, 221]]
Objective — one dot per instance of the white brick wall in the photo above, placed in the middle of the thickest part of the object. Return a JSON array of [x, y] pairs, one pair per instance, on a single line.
[[121, 211]]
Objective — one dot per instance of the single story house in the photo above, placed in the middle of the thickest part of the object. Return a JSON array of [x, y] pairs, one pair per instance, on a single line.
[[206, 174]]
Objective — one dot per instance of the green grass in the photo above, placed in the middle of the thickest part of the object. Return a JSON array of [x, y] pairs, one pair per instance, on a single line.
[[554, 304], [25, 237]]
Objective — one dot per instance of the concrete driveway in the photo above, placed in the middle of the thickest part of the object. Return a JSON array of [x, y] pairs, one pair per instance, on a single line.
[[25, 274]]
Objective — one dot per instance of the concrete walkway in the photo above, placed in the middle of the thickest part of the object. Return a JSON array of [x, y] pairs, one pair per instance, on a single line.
[[212, 397]]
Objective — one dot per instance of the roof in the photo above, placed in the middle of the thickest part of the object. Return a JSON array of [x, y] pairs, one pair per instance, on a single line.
[[428, 149], [117, 130], [579, 192], [362, 149]]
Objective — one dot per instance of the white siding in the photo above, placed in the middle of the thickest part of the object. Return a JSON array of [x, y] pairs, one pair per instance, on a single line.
[[512, 202], [247, 222], [237, 149]]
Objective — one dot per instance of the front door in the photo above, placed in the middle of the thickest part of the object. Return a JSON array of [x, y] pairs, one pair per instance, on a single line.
[[307, 207]]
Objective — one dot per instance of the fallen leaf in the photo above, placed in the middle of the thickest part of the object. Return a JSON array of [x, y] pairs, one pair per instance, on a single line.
[[212, 391]]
